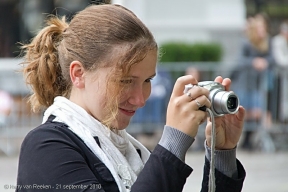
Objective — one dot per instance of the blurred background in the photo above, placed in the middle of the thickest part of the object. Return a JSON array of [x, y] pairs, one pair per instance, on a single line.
[[245, 40]]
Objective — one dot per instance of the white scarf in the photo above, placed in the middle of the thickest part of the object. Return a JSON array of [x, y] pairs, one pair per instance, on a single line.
[[117, 152]]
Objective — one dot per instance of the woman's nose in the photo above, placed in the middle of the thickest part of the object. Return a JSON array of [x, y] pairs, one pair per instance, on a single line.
[[137, 97]]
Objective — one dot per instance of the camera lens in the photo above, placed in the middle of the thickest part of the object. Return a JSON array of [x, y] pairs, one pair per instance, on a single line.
[[232, 103], [224, 102]]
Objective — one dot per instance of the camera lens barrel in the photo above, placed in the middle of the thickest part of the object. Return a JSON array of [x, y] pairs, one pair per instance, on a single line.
[[224, 102]]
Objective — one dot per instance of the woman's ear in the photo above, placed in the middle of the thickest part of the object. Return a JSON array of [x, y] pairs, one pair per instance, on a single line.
[[77, 74]]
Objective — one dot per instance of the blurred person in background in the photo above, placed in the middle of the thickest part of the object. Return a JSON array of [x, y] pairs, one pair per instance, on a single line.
[[252, 77], [69, 7], [280, 51], [90, 76], [34, 12], [32, 16], [9, 28], [6, 105], [194, 72]]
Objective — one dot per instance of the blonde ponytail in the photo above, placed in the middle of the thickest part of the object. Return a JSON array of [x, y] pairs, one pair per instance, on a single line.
[[42, 70]]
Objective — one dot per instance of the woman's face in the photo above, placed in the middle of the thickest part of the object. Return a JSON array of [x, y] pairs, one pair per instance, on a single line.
[[136, 92], [261, 29]]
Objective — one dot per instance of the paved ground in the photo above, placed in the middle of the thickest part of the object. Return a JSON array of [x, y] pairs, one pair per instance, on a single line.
[[266, 172]]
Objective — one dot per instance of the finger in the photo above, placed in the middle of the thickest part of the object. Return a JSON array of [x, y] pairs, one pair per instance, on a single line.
[[189, 96], [226, 83], [198, 117], [241, 113], [199, 102], [208, 130], [197, 91], [203, 117], [219, 79], [180, 84], [204, 101]]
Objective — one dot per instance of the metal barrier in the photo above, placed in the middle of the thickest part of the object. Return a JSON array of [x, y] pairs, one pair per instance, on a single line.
[[151, 118]]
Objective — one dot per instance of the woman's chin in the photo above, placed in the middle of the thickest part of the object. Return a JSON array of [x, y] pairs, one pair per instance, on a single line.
[[120, 125]]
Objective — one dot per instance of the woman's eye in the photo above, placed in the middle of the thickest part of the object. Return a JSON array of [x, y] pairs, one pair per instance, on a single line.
[[126, 81], [148, 80]]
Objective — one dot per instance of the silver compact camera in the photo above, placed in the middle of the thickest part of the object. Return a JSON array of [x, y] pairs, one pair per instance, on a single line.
[[222, 102]]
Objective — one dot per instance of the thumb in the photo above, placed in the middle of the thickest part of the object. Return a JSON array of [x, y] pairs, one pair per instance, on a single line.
[[208, 129], [241, 113]]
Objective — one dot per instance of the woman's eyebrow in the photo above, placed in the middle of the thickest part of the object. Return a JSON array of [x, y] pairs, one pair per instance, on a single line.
[[135, 77]]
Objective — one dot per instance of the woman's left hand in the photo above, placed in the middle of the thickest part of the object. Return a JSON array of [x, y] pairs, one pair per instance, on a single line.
[[228, 127]]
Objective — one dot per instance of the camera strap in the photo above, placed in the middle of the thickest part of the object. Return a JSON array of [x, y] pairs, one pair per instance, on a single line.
[[212, 185]]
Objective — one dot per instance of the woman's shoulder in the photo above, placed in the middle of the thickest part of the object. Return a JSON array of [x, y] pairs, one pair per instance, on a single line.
[[50, 132], [47, 128]]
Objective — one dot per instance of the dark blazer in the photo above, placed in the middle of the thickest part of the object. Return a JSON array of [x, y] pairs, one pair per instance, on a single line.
[[53, 158]]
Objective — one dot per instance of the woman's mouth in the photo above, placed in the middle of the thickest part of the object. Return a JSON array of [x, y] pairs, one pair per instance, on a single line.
[[127, 112]]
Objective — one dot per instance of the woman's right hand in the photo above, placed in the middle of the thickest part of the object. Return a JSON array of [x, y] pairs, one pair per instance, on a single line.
[[260, 64], [183, 111]]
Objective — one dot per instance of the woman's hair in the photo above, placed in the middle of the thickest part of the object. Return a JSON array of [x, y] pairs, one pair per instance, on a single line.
[[254, 23], [98, 36]]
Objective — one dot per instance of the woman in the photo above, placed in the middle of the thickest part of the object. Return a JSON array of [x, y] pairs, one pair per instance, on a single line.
[[92, 75], [253, 77], [280, 52]]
